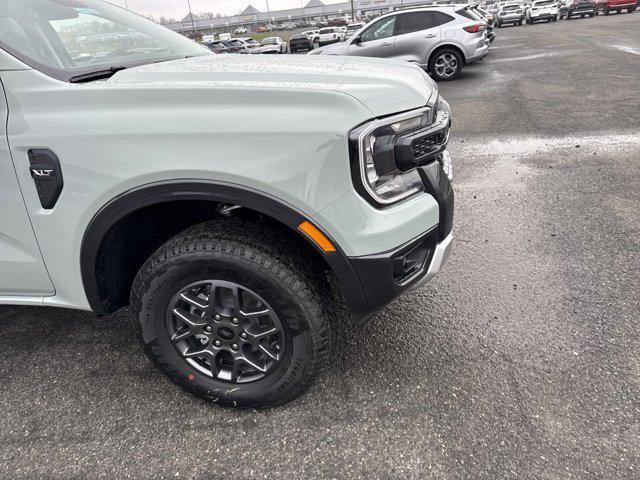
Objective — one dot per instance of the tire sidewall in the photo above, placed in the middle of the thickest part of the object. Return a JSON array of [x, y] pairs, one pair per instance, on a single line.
[[153, 311]]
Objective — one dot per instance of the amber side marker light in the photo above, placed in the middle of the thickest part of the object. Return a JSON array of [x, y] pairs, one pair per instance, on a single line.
[[316, 235]]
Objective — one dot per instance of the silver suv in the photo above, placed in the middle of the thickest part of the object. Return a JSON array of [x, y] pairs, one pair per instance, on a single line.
[[440, 39], [138, 168]]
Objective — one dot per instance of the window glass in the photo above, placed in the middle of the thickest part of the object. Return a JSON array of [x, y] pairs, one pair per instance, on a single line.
[[65, 38], [440, 18], [414, 22], [381, 29]]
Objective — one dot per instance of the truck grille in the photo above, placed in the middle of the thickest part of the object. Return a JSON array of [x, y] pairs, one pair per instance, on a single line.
[[424, 146]]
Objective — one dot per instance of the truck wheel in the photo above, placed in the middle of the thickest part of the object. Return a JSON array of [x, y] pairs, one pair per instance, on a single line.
[[445, 64], [233, 313]]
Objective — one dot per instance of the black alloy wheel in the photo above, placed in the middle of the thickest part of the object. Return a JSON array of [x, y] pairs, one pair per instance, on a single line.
[[225, 331]]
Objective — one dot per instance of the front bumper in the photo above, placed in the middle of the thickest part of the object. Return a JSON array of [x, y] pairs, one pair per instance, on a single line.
[[385, 276]]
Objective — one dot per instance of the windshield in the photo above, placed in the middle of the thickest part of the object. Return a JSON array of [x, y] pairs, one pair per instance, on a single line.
[[270, 41], [68, 38], [324, 31], [354, 28], [544, 3], [511, 7]]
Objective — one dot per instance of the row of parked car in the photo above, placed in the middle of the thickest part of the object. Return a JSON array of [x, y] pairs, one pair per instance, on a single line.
[[517, 12], [247, 45], [303, 41]]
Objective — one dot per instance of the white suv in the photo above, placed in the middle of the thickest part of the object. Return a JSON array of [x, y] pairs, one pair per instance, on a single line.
[[546, 10], [440, 39]]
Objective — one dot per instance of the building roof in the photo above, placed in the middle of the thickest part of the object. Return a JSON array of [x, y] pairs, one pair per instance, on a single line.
[[314, 3], [250, 10]]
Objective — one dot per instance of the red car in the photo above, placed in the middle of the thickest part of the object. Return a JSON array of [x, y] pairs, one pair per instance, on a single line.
[[338, 22], [608, 6]]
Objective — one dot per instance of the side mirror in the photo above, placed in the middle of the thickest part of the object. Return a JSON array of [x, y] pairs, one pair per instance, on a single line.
[[357, 40]]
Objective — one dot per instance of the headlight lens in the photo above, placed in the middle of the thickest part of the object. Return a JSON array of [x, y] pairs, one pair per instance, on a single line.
[[382, 179]]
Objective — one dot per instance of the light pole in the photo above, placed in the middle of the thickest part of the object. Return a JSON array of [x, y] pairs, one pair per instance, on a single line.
[[353, 12], [193, 23]]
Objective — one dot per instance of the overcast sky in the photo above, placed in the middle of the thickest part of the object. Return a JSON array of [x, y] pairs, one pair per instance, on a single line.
[[179, 8]]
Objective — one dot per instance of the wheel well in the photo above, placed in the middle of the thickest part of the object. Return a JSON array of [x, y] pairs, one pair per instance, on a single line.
[[132, 240], [448, 47]]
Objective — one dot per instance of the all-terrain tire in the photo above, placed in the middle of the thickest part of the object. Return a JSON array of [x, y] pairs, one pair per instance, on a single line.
[[256, 257]]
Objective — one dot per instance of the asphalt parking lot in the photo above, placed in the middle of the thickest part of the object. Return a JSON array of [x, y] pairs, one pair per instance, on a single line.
[[521, 360]]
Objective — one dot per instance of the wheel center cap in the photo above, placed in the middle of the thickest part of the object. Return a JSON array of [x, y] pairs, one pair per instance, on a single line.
[[225, 333]]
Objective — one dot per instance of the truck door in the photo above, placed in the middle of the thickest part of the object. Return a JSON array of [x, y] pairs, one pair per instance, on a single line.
[[22, 270]]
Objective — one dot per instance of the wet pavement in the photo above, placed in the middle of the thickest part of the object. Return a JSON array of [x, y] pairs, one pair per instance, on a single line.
[[521, 360]]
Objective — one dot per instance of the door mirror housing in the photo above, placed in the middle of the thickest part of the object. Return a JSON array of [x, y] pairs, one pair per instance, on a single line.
[[356, 40]]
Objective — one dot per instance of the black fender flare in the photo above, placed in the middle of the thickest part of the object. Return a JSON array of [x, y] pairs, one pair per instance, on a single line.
[[162, 192]]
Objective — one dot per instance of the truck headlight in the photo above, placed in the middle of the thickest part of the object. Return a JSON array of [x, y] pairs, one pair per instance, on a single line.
[[385, 155]]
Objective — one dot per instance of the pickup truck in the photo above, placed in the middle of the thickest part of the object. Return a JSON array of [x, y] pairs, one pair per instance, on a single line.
[[138, 169]]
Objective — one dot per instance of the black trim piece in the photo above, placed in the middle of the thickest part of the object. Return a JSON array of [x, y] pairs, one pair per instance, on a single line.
[[45, 170], [438, 185], [379, 273], [157, 193]]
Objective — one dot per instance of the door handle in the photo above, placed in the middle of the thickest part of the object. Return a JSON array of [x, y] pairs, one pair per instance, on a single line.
[[385, 44], [431, 35]]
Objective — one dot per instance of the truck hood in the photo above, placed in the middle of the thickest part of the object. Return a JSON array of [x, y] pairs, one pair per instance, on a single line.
[[383, 86]]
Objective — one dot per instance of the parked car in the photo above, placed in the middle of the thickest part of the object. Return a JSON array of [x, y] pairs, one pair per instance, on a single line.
[[216, 47], [263, 29], [231, 256], [473, 13], [542, 10], [234, 46], [250, 44], [338, 22], [577, 8], [273, 45], [353, 28], [608, 6], [313, 23], [240, 31], [440, 39], [512, 13], [330, 35], [290, 26], [489, 17], [304, 41]]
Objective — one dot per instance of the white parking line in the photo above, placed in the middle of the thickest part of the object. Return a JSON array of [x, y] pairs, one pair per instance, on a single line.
[[627, 49], [526, 57], [515, 45], [526, 146]]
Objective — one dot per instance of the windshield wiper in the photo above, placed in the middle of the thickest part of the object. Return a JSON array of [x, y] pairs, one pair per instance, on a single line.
[[97, 75]]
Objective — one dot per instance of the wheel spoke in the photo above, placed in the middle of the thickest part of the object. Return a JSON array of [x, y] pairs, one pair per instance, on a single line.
[[189, 319], [235, 369], [237, 300], [272, 356], [195, 301], [256, 313], [266, 333], [183, 335], [254, 364]]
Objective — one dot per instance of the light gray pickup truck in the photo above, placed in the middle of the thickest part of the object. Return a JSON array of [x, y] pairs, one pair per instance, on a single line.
[[230, 201]]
